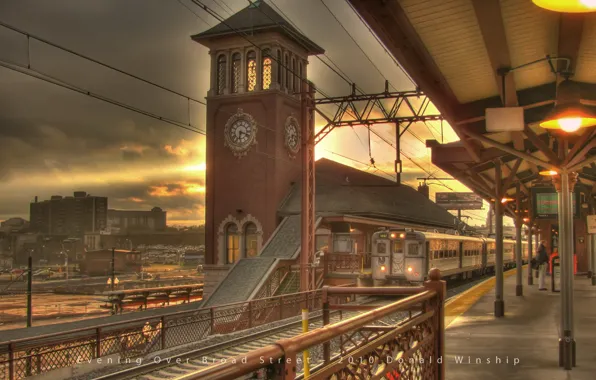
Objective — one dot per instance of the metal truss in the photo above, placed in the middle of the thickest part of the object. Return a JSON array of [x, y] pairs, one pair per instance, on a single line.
[[367, 109]]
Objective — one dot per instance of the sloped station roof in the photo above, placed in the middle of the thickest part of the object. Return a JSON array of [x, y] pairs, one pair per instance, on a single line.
[[454, 50], [343, 190]]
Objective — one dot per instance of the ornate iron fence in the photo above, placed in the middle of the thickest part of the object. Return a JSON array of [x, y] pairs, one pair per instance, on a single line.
[[404, 340], [32, 356], [344, 262]]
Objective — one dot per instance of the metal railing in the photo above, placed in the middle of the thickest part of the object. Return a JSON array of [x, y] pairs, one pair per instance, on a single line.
[[366, 346], [136, 338], [345, 262]]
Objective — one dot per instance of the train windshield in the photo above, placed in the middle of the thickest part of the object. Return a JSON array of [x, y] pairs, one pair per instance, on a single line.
[[397, 246], [381, 247]]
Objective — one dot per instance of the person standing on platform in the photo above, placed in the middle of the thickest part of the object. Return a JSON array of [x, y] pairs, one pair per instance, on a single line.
[[542, 260]]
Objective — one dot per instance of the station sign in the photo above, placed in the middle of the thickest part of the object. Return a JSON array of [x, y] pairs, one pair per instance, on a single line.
[[592, 224], [459, 201], [546, 203]]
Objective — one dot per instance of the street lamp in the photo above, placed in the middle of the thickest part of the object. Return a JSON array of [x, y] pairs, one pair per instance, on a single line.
[[569, 115], [567, 6]]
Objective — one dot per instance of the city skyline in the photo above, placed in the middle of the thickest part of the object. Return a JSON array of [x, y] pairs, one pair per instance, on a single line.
[[59, 141]]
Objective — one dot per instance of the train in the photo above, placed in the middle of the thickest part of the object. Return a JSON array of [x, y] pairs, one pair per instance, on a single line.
[[406, 256]]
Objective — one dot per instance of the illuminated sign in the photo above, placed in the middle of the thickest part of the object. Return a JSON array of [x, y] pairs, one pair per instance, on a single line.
[[459, 201], [383, 235], [546, 203]]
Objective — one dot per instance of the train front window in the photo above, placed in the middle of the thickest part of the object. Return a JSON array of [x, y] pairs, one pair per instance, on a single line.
[[413, 249], [397, 246], [381, 247]]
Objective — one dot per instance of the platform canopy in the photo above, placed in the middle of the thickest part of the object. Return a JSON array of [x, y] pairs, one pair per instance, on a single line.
[[455, 51]]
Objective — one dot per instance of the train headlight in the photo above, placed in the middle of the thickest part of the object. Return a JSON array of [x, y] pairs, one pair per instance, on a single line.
[[393, 236], [383, 268], [402, 236], [410, 269]]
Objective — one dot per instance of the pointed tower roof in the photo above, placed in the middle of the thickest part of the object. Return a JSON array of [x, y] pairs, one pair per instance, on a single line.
[[258, 17]]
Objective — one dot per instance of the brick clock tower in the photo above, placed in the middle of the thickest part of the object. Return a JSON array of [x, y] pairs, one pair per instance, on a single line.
[[253, 128]]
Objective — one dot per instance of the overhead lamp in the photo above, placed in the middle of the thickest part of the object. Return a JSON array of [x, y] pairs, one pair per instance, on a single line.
[[505, 200], [567, 6], [526, 220], [548, 173], [569, 114]]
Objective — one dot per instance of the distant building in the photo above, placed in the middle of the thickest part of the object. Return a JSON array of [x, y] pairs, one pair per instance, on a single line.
[[99, 263], [71, 216], [14, 225], [193, 257], [120, 221]]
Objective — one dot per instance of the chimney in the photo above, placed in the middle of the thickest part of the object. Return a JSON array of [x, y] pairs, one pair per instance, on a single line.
[[36, 199], [424, 189]]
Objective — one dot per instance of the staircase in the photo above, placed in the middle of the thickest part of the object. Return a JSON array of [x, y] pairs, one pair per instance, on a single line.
[[258, 277], [291, 284]]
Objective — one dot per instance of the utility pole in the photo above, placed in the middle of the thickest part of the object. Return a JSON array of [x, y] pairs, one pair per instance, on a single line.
[[113, 268], [29, 291]]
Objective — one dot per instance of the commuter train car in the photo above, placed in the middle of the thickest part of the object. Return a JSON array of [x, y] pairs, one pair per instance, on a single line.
[[405, 256]]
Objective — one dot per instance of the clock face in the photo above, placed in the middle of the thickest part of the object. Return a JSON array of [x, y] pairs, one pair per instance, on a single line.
[[292, 135], [240, 133]]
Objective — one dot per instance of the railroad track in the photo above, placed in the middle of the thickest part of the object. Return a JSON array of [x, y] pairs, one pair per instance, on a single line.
[[196, 360], [202, 358]]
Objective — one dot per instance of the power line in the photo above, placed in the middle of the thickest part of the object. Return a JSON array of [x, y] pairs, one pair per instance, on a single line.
[[381, 44], [55, 45], [356, 42], [193, 12], [48, 79]]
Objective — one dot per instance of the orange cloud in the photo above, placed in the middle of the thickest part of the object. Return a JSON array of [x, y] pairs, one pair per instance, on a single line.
[[176, 189]]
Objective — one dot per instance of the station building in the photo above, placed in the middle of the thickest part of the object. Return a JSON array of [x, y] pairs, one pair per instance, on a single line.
[[254, 170]]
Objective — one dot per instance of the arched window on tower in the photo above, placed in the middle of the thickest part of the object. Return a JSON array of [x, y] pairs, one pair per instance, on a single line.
[[221, 74], [250, 240], [232, 244], [251, 70], [294, 76], [236, 72], [287, 70], [266, 67]]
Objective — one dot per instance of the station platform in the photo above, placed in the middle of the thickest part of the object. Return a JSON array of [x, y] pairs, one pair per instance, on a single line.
[[525, 341]]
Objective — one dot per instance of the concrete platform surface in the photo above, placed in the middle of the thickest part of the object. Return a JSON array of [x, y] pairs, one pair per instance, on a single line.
[[523, 345]]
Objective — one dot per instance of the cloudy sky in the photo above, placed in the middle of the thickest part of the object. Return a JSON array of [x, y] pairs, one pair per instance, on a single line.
[[56, 141]]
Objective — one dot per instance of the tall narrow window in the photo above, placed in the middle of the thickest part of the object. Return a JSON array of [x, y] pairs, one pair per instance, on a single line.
[[221, 74], [287, 70], [251, 71], [235, 72], [232, 244], [250, 240], [266, 67], [294, 75], [279, 65]]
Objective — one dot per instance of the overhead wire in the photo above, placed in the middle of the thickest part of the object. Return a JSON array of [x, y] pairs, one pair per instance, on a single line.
[[348, 80], [195, 13]]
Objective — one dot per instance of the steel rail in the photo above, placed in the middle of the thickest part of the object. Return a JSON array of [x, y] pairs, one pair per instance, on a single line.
[[253, 361]]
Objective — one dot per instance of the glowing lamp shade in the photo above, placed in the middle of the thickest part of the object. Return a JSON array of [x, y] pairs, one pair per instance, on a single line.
[[567, 6], [548, 173], [569, 115]]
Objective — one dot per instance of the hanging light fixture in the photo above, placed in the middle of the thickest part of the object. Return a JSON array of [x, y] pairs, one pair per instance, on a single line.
[[569, 114], [547, 173], [567, 6]]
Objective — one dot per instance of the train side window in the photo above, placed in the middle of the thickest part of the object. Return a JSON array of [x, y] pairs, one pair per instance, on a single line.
[[381, 247], [435, 255]]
